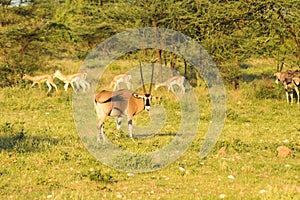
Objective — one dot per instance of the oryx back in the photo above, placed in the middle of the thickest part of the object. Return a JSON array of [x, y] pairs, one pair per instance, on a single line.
[[119, 103]]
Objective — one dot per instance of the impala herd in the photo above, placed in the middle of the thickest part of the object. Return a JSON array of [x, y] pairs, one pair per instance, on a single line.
[[77, 78], [128, 103]]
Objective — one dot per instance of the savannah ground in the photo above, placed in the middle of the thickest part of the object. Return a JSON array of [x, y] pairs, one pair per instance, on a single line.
[[42, 156]]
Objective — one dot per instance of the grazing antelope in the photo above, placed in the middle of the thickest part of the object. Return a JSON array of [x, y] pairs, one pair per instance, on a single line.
[[125, 78], [176, 80], [77, 78], [290, 81], [296, 77], [48, 79], [121, 103]]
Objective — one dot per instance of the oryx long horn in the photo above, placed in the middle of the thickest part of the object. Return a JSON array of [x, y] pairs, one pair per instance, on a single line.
[[142, 78], [152, 65]]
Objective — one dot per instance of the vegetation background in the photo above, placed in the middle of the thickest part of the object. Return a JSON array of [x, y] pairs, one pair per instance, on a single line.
[[41, 155]]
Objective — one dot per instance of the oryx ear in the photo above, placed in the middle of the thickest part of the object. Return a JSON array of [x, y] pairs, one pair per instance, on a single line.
[[137, 96]]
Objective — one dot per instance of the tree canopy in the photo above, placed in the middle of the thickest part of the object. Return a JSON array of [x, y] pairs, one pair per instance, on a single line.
[[30, 35]]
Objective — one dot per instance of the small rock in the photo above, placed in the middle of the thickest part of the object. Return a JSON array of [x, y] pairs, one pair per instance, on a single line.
[[231, 177], [284, 151], [262, 191], [222, 150], [130, 174], [181, 169]]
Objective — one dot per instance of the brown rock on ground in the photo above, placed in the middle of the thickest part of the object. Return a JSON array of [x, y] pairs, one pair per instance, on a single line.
[[284, 151], [222, 150]]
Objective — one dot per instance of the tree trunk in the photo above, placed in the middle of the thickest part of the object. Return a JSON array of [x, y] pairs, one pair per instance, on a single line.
[[236, 84], [158, 54], [172, 63], [159, 59]]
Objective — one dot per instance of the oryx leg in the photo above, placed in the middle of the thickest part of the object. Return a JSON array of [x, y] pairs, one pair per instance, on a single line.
[[101, 116], [119, 121], [130, 127], [292, 97], [100, 126], [101, 132]]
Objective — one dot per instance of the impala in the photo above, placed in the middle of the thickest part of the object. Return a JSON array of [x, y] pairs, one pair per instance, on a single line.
[[290, 81], [121, 78], [296, 77], [47, 78], [121, 103], [176, 80], [296, 80], [77, 78]]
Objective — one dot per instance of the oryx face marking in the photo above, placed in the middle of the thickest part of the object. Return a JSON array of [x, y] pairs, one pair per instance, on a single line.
[[146, 98], [147, 101]]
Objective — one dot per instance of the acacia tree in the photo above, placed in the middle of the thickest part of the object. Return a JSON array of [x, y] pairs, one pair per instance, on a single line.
[[231, 31], [247, 28], [125, 14], [28, 38]]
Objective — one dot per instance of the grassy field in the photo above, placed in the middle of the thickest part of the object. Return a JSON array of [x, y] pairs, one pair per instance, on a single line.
[[42, 156]]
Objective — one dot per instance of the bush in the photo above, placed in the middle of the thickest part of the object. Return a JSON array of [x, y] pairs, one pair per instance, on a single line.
[[264, 89]]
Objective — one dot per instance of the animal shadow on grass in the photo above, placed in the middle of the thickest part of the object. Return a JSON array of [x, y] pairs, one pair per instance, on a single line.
[[170, 134], [20, 142]]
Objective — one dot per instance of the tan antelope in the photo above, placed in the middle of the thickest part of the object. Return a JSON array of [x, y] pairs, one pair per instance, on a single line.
[[175, 80], [290, 81], [47, 78], [77, 78], [121, 78], [296, 78], [121, 103]]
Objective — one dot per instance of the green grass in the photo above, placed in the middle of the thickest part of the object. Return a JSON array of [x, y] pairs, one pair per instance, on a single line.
[[42, 156]]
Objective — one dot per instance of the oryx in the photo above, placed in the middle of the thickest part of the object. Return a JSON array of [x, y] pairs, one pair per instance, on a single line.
[[121, 103]]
